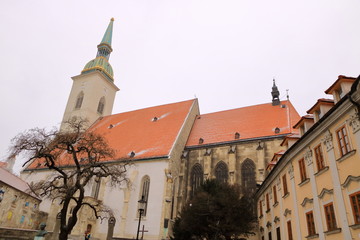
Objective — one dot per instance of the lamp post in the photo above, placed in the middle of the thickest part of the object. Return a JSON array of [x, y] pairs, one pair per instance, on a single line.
[[142, 204]]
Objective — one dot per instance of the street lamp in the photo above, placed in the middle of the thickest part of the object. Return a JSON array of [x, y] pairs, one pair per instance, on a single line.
[[142, 204]]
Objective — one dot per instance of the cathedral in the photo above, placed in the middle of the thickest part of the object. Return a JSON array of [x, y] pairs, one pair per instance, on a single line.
[[174, 148]]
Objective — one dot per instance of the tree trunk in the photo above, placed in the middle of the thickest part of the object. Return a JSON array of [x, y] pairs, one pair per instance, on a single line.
[[63, 235]]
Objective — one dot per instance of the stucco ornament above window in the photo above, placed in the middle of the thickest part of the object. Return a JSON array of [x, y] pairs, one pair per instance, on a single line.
[[327, 140], [354, 122], [308, 157]]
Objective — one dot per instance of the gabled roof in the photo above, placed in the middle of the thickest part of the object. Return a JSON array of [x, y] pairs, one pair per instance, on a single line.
[[336, 84], [307, 117], [250, 122], [149, 132], [320, 101], [15, 182]]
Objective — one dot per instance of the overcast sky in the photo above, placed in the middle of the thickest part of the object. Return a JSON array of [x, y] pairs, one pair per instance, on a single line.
[[225, 53]]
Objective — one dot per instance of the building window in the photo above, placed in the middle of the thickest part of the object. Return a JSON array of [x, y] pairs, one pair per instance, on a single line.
[[79, 100], [197, 177], [96, 188], [289, 230], [101, 105], [270, 237], [310, 223], [285, 185], [355, 204], [278, 233], [248, 181], [275, 194], [343, 140], [267, 203], [302, 169], [260, 208], [145, 187], [221, 172], [320, 163], [330, 216]]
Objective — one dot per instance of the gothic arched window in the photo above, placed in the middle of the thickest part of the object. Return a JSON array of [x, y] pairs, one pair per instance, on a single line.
[[79, 100], [101, 105], [248, 180], [221, 172], [144, 191], [197, 177]]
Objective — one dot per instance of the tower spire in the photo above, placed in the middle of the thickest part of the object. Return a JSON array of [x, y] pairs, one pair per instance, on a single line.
[[104, 48], [275, 94], [101, 62]]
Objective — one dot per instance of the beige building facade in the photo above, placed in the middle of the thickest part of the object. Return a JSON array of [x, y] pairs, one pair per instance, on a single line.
[[313, 192]]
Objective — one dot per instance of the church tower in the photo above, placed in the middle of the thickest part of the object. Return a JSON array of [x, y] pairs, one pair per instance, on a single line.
[[93, 91], [275, 94]]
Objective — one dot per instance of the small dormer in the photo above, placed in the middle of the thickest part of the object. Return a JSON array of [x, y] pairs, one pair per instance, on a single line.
[[305, 123], [340, 87], [289, 140], [320, 108], [274, 161]]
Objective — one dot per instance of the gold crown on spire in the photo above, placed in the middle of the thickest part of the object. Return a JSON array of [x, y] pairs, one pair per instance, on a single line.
[[112, 19]]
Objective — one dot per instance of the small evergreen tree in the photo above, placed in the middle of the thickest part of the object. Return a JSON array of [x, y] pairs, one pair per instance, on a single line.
[[217, 211]]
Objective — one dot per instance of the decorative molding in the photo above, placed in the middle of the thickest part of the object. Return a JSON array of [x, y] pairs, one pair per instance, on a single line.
[[232, 149], [346, 156], [286, 212], [268, 224], [276, 219], [325, 191], [261, 229], [309, 156], [327, 140], [307, 200], [208, 152], [354, 122], [350, 179], [291, 171]]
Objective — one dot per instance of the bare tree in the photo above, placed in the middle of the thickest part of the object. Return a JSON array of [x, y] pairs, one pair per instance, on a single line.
[[75, 159]]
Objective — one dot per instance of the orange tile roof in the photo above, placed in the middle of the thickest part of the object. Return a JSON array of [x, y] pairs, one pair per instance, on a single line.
[[149, 132], [3, 164], [250, 122], [137, 132]]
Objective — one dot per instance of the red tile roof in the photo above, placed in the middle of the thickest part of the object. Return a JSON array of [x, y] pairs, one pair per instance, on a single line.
[[250, 122], [15, 182], [149, 132]]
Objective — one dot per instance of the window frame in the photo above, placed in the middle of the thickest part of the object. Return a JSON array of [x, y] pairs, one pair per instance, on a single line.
[[355, 213], [144, 191], [302, 169], [289, 230], [319, 156], [343, 140], [310, 221], [330, 217], [284, 182], [275, 195], [267, 202]]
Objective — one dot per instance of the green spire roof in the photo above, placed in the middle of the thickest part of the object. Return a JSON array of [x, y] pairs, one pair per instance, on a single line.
[[101, 62], [108, 34]]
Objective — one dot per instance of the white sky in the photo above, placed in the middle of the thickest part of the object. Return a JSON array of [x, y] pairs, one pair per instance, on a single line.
[[224, 52]]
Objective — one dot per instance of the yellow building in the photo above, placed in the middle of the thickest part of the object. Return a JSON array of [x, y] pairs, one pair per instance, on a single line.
[[313, 191]]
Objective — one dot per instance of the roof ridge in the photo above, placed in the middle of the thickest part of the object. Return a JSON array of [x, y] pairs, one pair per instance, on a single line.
[[228, 110], [136, 110]]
